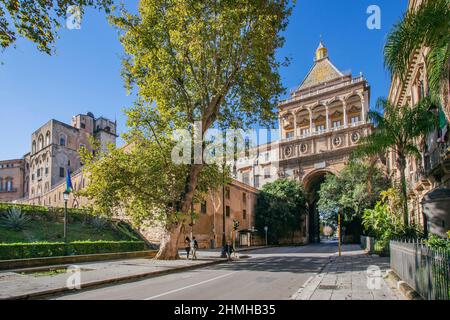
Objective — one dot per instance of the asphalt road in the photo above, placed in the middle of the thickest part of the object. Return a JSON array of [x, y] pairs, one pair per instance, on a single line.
[[268, 274]]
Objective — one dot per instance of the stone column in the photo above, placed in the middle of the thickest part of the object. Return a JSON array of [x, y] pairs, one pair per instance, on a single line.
[[295, 124], [363, 108], [311, 125], [344, 104], [327, 118]]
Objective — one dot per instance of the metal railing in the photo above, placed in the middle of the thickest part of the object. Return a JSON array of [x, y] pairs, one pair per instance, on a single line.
[[424, 269]]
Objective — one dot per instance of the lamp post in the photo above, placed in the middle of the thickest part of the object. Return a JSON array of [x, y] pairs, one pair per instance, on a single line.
[[66, 198], [266, 228]]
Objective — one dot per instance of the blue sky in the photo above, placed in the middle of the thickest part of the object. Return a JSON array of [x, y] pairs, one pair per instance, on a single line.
[[84, 75]]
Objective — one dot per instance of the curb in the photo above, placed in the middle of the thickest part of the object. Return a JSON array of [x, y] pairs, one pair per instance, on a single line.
[[123, 279], [309, 287], [402, 286]]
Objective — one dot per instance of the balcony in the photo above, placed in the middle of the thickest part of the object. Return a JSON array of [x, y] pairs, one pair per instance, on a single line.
[[440, 155], [316, 133]]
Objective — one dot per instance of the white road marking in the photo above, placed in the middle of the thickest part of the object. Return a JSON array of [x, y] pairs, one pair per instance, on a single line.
[[191, 286]]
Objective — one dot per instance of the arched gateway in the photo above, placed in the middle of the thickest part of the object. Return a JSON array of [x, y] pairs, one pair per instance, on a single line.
[[320, 125]]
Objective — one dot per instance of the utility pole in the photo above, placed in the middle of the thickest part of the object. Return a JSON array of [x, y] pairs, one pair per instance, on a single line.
[[339, 231]]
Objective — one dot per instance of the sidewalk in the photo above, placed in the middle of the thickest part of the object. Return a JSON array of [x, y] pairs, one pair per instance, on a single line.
[[347, 278], [20, 285]]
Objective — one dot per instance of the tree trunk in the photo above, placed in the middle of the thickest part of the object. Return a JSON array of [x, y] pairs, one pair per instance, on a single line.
[[168, 249], [169, 243], [402, 168]]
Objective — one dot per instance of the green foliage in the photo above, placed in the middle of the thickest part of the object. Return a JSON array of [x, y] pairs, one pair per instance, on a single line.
[[349, 190], [279, 206], [384, 222], [56, 249], [46, 224], [396, 131], [427, 26], [14, 219], [436, 242], [38, 21], [144, 182]]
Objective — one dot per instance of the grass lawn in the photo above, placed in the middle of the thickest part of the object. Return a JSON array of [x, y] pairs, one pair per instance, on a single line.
[[37, 230]]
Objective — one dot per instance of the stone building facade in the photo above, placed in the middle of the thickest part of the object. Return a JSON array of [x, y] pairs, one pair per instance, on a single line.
[[320, 124], [11, 179], [55, 149], [432, 169]]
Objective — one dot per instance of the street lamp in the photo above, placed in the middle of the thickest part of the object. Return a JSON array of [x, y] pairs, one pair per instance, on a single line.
[[66, 198], [266, 228]]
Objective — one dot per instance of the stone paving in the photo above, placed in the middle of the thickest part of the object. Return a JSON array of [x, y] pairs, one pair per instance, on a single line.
[[349, 278]]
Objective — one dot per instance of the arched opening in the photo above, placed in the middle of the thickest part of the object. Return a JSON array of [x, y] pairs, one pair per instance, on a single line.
[[312, 183]]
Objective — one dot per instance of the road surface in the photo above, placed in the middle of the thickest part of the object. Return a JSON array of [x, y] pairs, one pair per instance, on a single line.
[[268, 274]]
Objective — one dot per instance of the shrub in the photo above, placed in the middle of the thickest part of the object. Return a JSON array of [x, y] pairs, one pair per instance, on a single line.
[[436, 242], [14, 219], [55, 249]]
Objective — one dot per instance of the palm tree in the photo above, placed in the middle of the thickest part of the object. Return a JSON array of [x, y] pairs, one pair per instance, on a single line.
[[396, 130], [427, 26]]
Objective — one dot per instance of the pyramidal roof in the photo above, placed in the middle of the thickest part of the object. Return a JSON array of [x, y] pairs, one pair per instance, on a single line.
[[322, 70]]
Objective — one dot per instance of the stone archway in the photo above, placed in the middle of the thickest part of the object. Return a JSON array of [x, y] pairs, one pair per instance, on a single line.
[[312, 183]]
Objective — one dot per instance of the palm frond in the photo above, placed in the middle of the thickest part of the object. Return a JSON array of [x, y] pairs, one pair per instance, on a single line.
[[428, 25]]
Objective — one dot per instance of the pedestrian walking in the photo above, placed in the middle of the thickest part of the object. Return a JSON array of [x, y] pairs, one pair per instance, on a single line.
[[194, 248], [187, 242]]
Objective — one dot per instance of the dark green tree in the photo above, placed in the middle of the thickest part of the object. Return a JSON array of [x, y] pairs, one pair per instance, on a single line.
[[280, 206]]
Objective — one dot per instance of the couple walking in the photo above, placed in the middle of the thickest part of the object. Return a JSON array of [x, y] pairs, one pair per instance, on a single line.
[[191, 245]]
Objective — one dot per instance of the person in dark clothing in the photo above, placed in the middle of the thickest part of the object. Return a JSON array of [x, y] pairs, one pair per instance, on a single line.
[[228, 249], [187, 241]]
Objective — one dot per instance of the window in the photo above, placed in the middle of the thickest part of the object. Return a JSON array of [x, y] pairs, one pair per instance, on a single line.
[[337, 124], [83, 125], [227, 192], [61, 172], [227, 211], [304, 132], [267, 156], [266, 173], [246, 178], [203, 207], [47, 138], [33, 148], [320, 127], [32, 177], [9, 185], [244, 198], [289, 134], [355, 119], [62, 141], [244, 214], [256, 182], [38, 174], [41, 142]]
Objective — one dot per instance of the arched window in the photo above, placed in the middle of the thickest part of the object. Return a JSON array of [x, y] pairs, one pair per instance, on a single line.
[[62, 140], [33, 148], [47, 138], [41, 142]]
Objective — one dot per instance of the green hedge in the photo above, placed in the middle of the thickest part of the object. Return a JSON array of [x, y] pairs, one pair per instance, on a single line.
[[10, 251]]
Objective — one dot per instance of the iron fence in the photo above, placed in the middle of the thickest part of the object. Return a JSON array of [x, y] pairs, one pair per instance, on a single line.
[[424, 269]]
